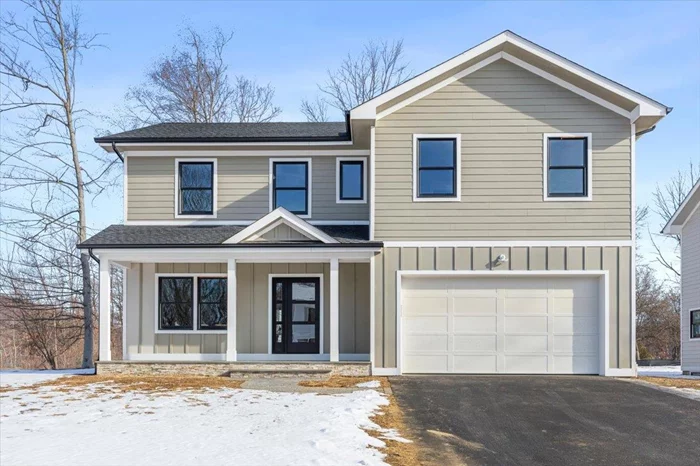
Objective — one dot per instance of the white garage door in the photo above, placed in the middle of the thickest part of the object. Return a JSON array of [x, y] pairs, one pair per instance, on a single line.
[[513, 325]]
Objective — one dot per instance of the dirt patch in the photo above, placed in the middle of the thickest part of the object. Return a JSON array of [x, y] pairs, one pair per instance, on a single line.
[[671, 382], [397, 453], [342, 381], [116, 383]]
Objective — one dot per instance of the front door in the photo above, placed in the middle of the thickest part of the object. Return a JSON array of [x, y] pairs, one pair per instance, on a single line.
[[295, 315]]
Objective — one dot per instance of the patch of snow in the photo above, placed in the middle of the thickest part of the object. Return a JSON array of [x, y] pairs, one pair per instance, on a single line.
[[99, 424], [370, 384], [19, 377], [673, 372]]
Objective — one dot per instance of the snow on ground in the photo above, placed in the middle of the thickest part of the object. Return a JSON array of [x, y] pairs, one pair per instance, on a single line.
[[370, 384], [673, 372], [16, 378], [99, 424]]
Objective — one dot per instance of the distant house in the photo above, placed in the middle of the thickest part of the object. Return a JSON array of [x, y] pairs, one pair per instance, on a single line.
[[686, 223]]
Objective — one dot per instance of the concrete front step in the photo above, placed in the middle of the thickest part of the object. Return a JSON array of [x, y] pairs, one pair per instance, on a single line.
[[309, 374]]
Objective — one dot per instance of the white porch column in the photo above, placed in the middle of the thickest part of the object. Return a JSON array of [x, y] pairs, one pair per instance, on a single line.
[[231, 310], [105, 353], [334, 298]]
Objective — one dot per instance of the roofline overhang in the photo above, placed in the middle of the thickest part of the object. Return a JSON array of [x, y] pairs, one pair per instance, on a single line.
[[373, 245], [673, 227]]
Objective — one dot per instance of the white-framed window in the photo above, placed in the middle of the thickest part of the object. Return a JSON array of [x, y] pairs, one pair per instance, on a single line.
[[191, 303], [568, 167], [437, 167], [195, 188], [290, 185], [351, 180], [695, 323]]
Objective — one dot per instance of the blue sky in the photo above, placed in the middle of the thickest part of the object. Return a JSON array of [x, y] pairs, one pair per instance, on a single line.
[[651, 47]]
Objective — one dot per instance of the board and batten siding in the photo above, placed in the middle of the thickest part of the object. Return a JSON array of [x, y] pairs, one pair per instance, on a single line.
[[502, 112], [690, 289], [252, 311], [243, 189], [616, 260]]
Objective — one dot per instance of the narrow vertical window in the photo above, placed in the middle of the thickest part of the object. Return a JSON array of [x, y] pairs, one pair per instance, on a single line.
[[211, 303], [567, 167], [437, 168], [351, 180], [290, 186], [695, 324], [196, 189], [175, 303]]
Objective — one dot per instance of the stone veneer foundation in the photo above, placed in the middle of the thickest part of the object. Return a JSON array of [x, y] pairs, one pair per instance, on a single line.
[[217, 369]]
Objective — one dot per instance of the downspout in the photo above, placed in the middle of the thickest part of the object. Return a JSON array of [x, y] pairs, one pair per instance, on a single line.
[[116, 151], [93, 256], [645, 131]]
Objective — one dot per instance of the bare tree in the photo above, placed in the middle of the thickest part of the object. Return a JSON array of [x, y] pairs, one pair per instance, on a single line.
[[46, 176], [192, 84], [378, 67], [658, 317], [667, 199]]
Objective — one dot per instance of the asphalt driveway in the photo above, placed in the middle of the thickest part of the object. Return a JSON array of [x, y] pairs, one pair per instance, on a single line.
[[524, 420]]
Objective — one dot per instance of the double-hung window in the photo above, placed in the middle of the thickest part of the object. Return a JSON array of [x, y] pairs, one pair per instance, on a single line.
[[291, 186], [695, 324], [568, 167], [191, 303], [196, 188], [351, 178], [436, 167]]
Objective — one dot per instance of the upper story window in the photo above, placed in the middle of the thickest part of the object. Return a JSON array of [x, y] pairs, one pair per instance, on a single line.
[[436, 167], [351, 180], [695, 324], [568, 167], [291, 185], [196, 187], [178, 310]]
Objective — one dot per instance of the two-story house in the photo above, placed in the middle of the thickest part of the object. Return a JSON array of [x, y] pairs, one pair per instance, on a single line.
[[478, 218]]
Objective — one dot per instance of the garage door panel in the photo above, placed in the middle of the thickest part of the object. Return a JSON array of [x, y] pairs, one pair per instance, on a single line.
[[474, 324], [526, 343], [526, 305], [422, 324], [475, 343], [475, 364], [533, 325], [475, 305], [525, 364], [526, 324]]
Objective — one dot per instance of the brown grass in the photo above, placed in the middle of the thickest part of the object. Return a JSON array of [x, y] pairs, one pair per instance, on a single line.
[[670, 382], [397, 453], [112, 383], [342, 381]]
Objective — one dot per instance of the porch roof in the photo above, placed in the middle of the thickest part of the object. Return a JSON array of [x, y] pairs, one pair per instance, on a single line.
[[205, 236]]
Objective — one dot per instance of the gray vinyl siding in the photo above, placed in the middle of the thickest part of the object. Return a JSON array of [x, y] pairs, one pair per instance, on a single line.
[[690, 289], [252, 326], [502, 112], [616, 260], [243, 189]]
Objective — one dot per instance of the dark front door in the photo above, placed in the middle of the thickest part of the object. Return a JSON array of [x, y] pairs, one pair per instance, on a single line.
[[295, 315]]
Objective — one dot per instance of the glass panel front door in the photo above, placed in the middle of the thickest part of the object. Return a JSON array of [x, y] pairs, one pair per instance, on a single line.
[[295, 315]]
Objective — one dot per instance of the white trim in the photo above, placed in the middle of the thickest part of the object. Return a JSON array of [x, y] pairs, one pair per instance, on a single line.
[[604, 301], [545, 167], [334, 305], [309, 190], [385, 371], [214, 206], [275, 218], [372, 310], [195, 307], [436, 87], [647, 106], [125, 189], [670, 228], [614, 372], [125, 290], [690, 324], [108, 146], [372, 171], [243, 357], [338, 161], [231, 313], [458, 169], [182, 222], [105, 315], [507, 243], [269, 307], [633, 254], [146, 152]]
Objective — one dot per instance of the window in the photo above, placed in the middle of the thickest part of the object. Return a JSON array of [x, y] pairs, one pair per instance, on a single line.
[[567, 161], [178, 310], [351, 175], [175, 303], [196, 194], [211, 303], [291, 186], [695, 324], [436, 167]]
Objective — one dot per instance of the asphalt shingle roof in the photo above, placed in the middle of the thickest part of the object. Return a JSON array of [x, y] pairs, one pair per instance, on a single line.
[[233, 132], [126, 236]]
